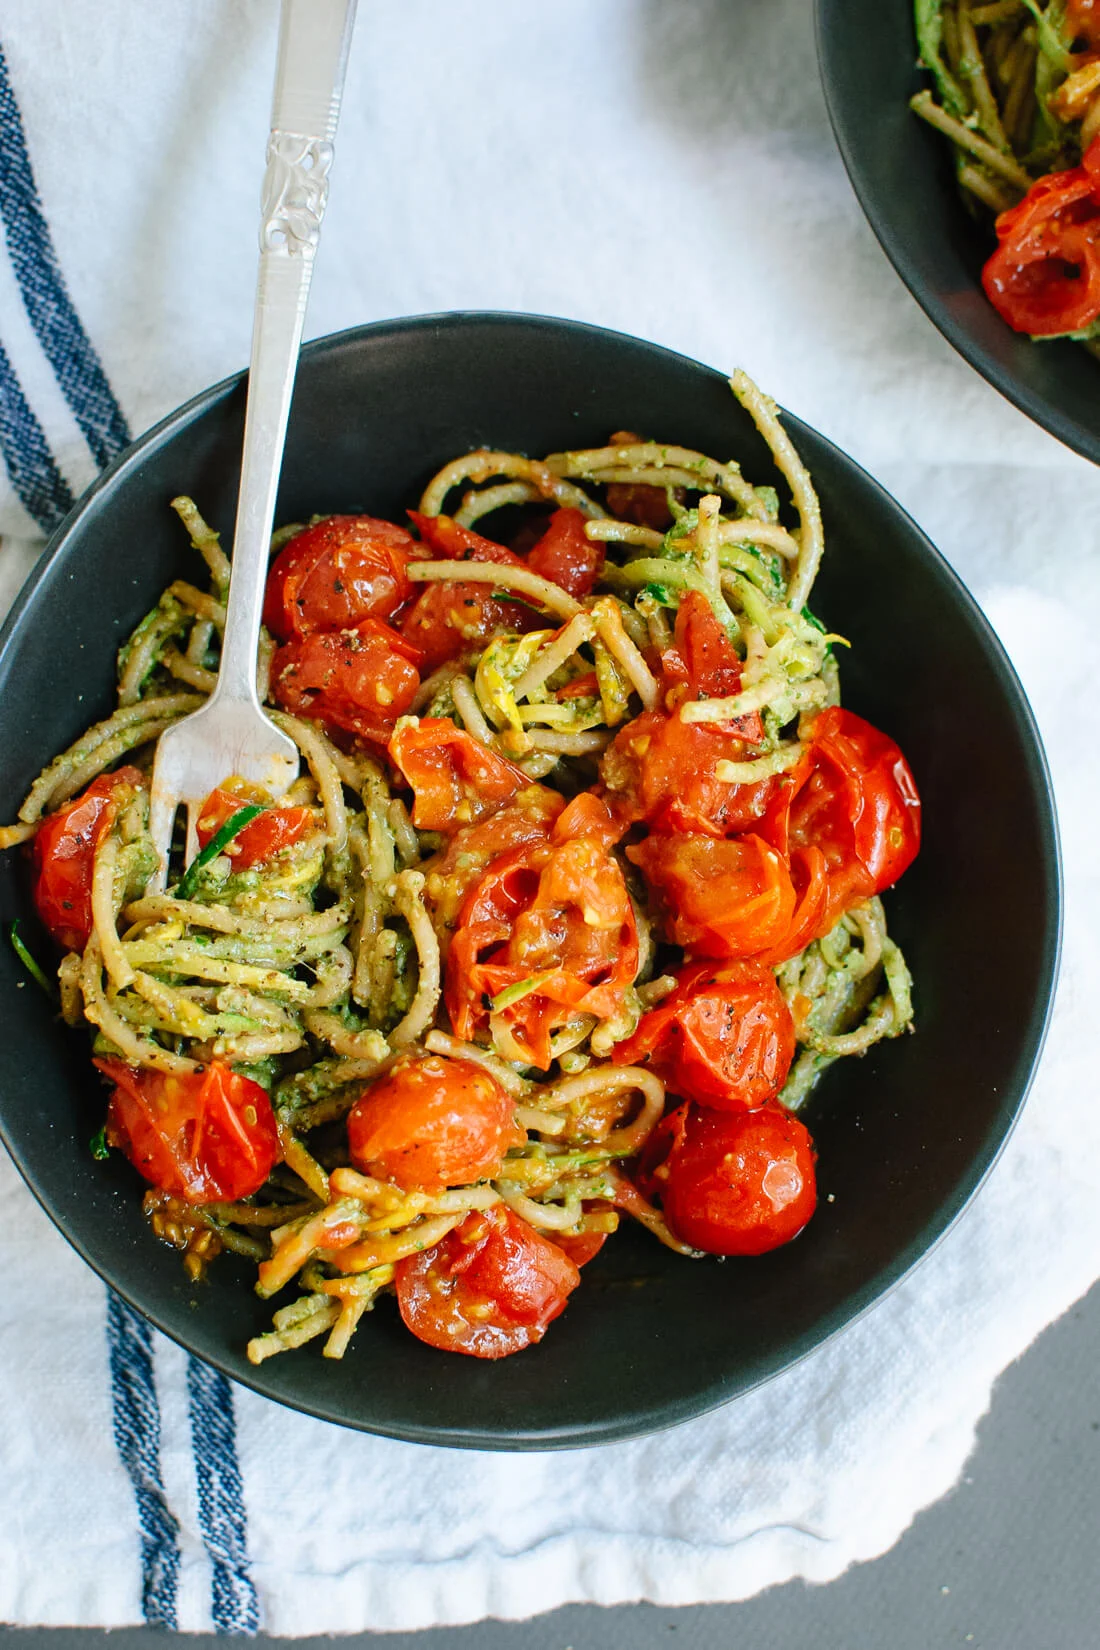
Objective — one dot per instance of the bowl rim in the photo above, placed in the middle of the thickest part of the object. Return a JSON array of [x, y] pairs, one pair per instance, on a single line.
[[1034, 404], [669, 1412]]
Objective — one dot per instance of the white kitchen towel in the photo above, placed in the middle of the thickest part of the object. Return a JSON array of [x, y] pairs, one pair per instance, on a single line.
[[664, 167]]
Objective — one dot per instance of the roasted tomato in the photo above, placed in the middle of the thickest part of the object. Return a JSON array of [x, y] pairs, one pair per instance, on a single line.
[[339, 571], [724, 1037], [447, 620], [455, 780], [431, 1123], [1044, 278], [736, 1183], [1083, 22], [207, 1136], [662, 770], [472, 848], [64, 856], [263, 837], [566, 556], [635, 501], [547, 934], [854, 799], [488, 1289], [723, 899], [361, 679]]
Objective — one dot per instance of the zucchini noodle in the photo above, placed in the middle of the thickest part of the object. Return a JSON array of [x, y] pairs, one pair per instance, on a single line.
[[319, 968]]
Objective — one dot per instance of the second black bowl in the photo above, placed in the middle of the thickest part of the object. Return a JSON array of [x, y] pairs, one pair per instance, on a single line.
[[903, 174], [904, 1135]]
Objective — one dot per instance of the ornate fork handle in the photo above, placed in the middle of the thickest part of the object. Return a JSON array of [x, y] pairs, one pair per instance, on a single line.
[[295, 193]]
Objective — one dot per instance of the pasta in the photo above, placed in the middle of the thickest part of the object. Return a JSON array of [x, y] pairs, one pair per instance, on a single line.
[[574, 899]]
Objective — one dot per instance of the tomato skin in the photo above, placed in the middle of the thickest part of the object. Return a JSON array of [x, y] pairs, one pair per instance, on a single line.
[[724, 1038], [432, 1123], [737, 1183], [662, 770], [472, 848], [725, 898], [337, 572], [64, 856], [449, 620], [702, 661], [1044, 278], [207, 1136], [454, 779], [566, 555], [262, 837], [559, 911], [489, 1289], [360, 679]]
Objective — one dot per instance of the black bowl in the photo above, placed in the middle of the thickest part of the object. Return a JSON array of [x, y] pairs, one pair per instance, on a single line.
[[905, 1135], [902, 172]]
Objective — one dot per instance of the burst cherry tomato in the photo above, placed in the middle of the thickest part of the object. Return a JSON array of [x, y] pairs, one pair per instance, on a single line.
[[207, 1136], [432, 1123], [472, 848], [723, 899], [737, 1183], [548, 933], [361, 679], [333, 574], [455, 780], [489, 1289], [448, 619], [263, 837], [64, 856], [724, 1037], [566, 555], [1044, 278]]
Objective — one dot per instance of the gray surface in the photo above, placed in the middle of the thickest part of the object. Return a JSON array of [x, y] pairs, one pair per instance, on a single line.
[[1007, 1562]]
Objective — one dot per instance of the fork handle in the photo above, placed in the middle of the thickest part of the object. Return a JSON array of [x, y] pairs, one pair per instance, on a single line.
[[314, 36]]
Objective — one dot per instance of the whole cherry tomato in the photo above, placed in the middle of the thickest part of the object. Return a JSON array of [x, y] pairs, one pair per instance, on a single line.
[[455, 780], [447, 620], [339, 571], [208, 1136], [360, 679], [489, 1289], [431, 1123], [723, 1038], [723, 898], [737, 1183], [262, 838], [566, 555], [64, 856], [548, 933]]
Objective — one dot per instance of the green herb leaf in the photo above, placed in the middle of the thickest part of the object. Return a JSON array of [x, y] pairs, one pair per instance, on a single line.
[[233, 826], [812, 618], [660, 593], [98, 1146], [34, 969]]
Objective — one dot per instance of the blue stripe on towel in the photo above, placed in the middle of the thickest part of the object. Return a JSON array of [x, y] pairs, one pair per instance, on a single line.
[[45, 297], [137, 1435], [221, 1503], [42, 489]]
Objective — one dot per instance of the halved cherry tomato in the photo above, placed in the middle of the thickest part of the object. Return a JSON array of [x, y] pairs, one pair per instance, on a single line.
[[64, 856], [1044, 278], [724, 1037], [566, 556], [548, 933], [703, 663], [455, 780], [853, 797], [490, 1288], [339, 571], [431, 1123], [736, 1183], [723, 898], [447, 619], [263, 837], [208, 1136], [361, 679]]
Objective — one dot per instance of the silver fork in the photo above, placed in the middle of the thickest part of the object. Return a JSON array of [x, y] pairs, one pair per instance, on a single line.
[[230, 736]]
